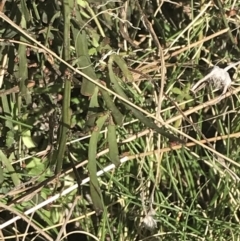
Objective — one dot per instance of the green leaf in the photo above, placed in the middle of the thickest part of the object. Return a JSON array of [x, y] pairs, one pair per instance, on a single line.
[[35, 163], [84, 62], [112, 143], [27, 139], [10, 138], [92, 165], [117, 88], [176, 91], [7, 163]]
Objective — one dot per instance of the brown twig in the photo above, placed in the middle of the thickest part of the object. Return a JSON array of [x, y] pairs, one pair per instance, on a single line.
[[12, 90]]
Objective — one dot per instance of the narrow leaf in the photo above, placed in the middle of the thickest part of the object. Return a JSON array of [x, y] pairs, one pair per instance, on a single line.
[[7, 163], [92, 165], [66, 113], [149, 123], [84, 62], [112, 143], [117, 115]]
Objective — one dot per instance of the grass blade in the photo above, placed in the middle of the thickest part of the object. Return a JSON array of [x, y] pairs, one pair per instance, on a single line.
[[23, 70], [85, 64], [112, 143], [117, 115], [149, 123], [67, 92], [6, 162], [93, 106], [92, 165], [81, 46]]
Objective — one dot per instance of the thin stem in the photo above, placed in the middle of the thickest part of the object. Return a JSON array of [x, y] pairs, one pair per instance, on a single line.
[[67, 90]]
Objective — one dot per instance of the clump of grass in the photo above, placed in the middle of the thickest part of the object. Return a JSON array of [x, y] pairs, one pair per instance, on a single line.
[[100, 133]]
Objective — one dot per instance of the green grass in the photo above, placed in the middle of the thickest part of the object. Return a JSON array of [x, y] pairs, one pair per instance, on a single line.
[[86, 85]]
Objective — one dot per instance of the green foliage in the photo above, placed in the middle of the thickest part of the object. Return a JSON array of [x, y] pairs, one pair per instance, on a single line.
[[93, 96]]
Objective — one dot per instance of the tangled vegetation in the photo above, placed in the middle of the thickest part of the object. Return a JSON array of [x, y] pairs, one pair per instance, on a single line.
[[101, 135]]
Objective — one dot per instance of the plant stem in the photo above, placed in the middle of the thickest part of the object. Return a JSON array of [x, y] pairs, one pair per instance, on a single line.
[[67, 92]]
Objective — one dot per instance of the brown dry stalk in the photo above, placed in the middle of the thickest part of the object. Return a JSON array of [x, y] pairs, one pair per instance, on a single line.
[[189, 144], [201, 106], [14, 89], [183, 49]]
